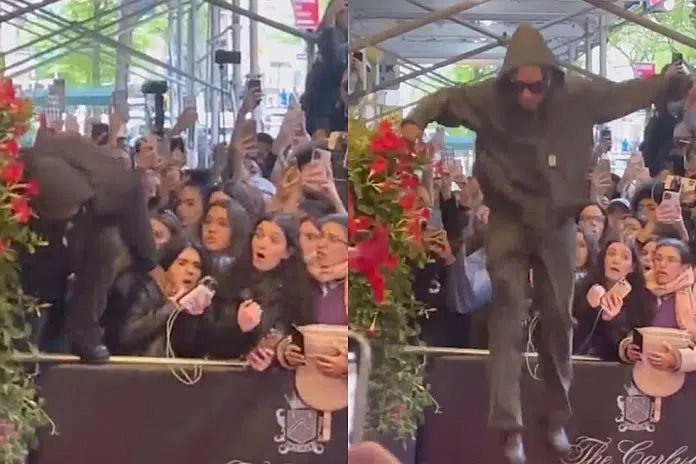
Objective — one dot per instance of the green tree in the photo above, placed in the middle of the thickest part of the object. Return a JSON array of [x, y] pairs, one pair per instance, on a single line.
[[641, 45], [95, 64]]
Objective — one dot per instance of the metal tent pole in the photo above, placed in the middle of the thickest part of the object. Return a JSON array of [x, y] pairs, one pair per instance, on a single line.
[[71, 41], [214, 105], [234, 8], [504, 40], [87, 21], [603, 43], [27, 9], [642, 21], [409, 26]]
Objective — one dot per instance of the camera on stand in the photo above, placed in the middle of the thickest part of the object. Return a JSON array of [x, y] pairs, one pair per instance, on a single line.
[[158, 89], [223, 57]]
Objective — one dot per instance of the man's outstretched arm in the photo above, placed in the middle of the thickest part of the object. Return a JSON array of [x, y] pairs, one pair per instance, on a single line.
[[608, 101], [453, 107]]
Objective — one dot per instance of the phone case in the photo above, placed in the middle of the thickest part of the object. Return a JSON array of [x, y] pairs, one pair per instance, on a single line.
[[638, 339], [670, 198], [193, 301], [621, 289], [673, 183], [688, 185]]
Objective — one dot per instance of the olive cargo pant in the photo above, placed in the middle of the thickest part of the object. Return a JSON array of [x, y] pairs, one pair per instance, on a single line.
[[512, 250]]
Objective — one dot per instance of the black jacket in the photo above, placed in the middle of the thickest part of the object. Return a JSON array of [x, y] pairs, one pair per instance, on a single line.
[[531, 166], [142, 319], [219, 334], [73, 172]]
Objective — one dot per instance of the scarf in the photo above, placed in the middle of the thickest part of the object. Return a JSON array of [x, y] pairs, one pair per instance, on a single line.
[[685, 298]]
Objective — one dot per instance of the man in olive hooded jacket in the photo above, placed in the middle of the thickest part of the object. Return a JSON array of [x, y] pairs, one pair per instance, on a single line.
[[534, 141], [86, 200]]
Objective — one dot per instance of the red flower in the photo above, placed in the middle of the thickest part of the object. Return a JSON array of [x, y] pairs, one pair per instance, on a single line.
[[408, 200], [21, 210], [12, 173], [378, 166], [7, 91], [408, 181], [358, 224], [32, 189], [370, 257], [387, 141], [9, 148]]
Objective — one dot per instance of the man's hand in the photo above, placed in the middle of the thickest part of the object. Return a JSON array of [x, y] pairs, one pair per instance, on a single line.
[[411, 132]]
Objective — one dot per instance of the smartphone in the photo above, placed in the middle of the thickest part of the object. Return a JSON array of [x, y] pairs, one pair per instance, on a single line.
[[638, 339], [297, 337], [359, 367], [621, 289], [323, 156], [688, 185], [673, 183], [670, 198], [193, 302], [358, 56], [189, 102], [119, 100], [338, 141], [435, 220], [677, 57], [271, 339], [254, 83]]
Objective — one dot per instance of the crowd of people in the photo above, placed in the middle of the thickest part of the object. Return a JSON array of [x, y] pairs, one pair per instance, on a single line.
[[147, 257]]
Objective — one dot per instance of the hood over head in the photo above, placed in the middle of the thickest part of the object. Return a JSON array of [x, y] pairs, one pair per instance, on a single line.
[[527, 47]]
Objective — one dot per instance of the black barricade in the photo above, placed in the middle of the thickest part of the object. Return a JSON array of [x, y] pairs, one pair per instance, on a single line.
[[143, 415], [611, 422]]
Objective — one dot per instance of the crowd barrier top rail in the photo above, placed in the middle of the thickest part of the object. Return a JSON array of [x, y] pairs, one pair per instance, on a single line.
[[130, 360], [442, 351]]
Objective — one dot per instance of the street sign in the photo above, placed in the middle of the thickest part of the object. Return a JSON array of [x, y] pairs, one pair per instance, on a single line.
[[306, 14], [644, 70]]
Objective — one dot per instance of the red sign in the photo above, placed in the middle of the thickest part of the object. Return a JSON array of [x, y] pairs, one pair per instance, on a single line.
[[644, 70], [306, 14]]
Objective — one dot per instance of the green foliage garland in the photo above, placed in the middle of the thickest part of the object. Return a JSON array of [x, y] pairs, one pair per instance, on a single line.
[[383, 188], [21, 412]]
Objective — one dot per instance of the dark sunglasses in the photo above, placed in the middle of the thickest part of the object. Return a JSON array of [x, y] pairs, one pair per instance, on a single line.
[[536, 88]]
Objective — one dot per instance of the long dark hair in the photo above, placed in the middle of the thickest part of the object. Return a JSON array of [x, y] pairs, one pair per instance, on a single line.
[[601, 338], [290, 277], [592, 245], [173, 248], [239, 222]]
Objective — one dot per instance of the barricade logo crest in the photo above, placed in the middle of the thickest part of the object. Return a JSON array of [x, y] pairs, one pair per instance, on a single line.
[[635, 411], [300, 428]]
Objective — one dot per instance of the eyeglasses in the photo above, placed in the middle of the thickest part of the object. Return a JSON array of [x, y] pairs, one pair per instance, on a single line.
[[536, 88]]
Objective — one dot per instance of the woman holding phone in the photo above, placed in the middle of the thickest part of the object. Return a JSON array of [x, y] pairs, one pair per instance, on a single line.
[[611, 301]]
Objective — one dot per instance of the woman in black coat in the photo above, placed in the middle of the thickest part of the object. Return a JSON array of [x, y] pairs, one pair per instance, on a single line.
[[139, 326], [273, 286], [594, 335]]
